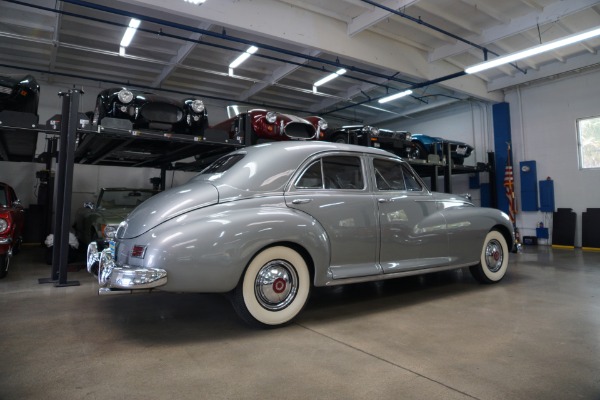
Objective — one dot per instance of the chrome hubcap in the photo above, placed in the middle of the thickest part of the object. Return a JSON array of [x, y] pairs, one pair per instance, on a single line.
[[494, 255], [276, 285]]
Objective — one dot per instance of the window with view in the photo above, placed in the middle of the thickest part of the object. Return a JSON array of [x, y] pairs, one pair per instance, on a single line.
[[588, 142]]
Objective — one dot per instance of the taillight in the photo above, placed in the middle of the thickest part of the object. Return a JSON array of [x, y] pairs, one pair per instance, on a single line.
[[138, 251]]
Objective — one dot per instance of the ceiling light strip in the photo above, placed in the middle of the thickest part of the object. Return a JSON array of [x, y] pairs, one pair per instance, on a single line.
[[243, 57], [555, 44], [130, 32], [395, 96]]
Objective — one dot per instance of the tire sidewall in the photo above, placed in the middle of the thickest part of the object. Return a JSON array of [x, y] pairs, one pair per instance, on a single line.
[[4, 265], [254, 308], [498, 275]]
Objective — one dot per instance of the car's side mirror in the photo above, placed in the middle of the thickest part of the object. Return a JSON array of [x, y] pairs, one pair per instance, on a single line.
[[88, 204], [17, 203]]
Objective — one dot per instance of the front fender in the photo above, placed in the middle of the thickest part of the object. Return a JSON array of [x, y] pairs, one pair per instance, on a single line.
[[208, 250]]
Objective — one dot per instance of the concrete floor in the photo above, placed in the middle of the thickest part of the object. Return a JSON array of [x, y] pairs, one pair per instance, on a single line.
[[536, 335]]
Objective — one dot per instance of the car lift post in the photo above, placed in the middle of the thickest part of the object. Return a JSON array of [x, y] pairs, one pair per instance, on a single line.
[[64, 185]]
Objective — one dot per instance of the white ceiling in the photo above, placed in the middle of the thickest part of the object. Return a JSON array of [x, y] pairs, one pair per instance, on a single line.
[[187, 48]]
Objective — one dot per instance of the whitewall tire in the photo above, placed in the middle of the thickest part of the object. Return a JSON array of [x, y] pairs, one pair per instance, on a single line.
[[274, 287], [494, 259]]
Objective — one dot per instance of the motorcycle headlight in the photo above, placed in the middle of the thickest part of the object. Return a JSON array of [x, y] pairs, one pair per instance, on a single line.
[[374, 131], [408, 136], [125, 96], [323, 124], [3, 225], [271, 117], [197, 106]]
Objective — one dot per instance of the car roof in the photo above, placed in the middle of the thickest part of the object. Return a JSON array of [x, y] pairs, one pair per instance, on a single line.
[[267, 167], [304, 149]]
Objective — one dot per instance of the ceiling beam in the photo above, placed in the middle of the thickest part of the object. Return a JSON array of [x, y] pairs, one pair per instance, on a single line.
[[181, 55], [550, 13], [487, 10], [277, 75], [373, 16], [293, 25], [583, 60], [442, 13]]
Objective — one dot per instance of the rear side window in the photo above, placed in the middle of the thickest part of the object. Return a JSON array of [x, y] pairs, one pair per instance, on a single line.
[[333, 172], [392, 175]]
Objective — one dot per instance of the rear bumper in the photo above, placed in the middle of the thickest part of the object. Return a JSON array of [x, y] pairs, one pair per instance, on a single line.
[[112, 276]]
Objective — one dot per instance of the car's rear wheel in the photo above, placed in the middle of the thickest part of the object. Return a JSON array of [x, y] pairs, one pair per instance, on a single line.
[[494, 259], [273, 289], [4, 261]]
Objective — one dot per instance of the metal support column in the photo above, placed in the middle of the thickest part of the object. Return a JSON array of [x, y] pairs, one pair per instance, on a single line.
[[448, 170], [492, 178], [64, 185], [434, 178]]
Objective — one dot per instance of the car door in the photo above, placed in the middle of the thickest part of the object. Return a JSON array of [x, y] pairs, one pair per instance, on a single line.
[[412, 230], [332, 189]]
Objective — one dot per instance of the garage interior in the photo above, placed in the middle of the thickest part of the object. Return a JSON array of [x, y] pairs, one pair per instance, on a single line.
[[442, 335]]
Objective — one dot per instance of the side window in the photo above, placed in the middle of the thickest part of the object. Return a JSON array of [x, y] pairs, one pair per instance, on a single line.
[[311, 178], [411, 182], [389, 175], [333, 172], [343, 172]]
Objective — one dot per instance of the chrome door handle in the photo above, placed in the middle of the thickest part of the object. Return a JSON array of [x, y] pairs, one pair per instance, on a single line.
[[384, 201], [301, 201]]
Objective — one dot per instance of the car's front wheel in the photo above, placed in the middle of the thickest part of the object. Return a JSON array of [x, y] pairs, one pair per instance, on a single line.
[[494, 259], [4, 261], [419, 151], [274, 287]]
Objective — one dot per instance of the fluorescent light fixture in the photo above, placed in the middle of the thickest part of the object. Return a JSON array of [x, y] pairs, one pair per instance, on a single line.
[[195, 2], [243, 57], [329, 77], [130, 32], [395, 96], [555, 44], [122, 51]]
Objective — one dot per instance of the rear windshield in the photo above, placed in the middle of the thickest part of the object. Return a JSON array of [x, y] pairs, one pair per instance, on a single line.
[[222, 164]]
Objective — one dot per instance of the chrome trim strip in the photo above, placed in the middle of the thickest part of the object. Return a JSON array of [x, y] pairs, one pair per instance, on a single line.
[[6, 240], [379, 277]]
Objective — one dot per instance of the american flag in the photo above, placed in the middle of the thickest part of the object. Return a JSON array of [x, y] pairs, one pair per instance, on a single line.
[[509, 187]]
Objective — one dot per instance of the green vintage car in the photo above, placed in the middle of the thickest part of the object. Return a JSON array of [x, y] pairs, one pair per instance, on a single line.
[[111, 207]]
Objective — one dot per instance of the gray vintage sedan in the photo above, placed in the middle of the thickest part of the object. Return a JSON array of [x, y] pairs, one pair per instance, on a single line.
[[267, 223]]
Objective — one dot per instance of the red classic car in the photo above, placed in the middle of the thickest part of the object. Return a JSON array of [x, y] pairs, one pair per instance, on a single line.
[[11, 226], [271, 125]]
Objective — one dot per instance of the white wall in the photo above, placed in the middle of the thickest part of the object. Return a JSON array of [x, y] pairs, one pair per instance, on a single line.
[[543, 125]]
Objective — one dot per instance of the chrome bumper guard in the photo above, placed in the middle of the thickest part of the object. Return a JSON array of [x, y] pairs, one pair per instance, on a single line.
[[111, 276]]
